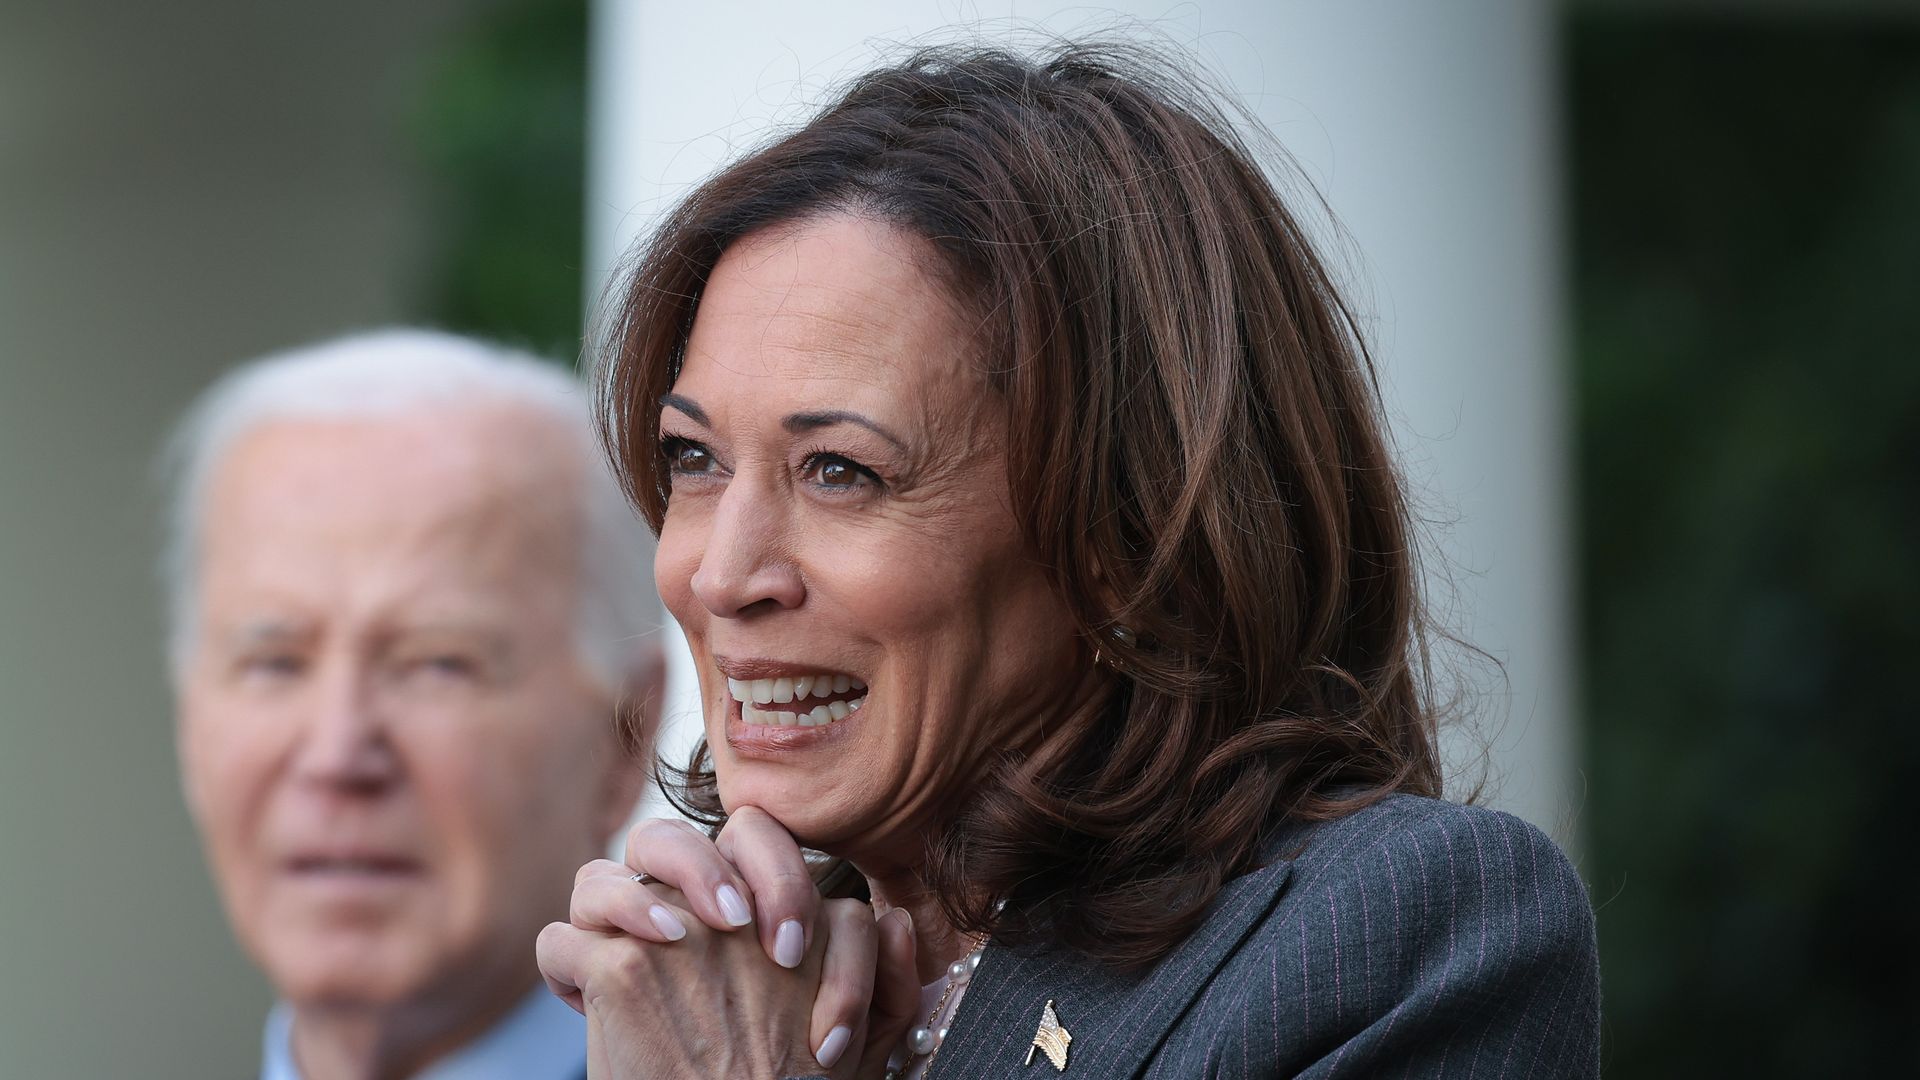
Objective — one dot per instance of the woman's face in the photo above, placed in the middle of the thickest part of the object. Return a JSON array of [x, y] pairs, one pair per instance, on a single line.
[[839, 545]]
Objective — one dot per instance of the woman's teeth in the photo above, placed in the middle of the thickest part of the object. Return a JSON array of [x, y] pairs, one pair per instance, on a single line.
[[814, 717], [762, 691], [848, 694]]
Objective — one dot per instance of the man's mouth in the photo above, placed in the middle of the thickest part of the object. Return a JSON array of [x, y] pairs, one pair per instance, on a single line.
[[798, 701], [359, 866]]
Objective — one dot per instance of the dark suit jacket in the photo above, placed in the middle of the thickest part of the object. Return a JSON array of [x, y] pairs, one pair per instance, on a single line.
[[1416, 938]]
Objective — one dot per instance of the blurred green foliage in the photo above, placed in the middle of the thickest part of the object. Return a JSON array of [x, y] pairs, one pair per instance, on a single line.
[[1747, 272], [500, 127]]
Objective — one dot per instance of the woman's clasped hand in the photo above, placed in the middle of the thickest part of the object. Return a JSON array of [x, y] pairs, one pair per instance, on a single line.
[[727, 962]]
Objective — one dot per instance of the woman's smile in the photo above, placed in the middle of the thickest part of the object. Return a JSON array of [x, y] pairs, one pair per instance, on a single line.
[[813, 700], [775, 708]]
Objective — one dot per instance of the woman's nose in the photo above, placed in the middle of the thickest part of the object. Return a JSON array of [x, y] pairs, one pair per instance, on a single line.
[[747, 566]]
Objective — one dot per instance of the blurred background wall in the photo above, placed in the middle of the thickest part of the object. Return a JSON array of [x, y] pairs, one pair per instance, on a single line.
[[1641, 275]]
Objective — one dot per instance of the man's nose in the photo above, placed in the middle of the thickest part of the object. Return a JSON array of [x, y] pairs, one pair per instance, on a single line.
[[748, 564], [347, 745]]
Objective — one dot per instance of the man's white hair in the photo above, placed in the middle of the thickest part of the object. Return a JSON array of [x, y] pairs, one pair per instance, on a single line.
[[400, 374]]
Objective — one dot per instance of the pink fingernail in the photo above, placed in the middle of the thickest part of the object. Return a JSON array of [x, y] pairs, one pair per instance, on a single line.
[[732, 906], [666, 922], [789, 944], [833, 1046]]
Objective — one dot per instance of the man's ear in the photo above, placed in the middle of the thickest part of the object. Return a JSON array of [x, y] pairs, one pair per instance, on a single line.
[[636, 723]]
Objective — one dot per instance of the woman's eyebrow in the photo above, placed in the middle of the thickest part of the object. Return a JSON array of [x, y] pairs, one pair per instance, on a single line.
[[807, 421], [686, 405]]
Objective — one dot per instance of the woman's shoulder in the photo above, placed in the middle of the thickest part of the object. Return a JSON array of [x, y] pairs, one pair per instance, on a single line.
[[1427, 932], [1419, 870], [1413, 937], [1411, 840]]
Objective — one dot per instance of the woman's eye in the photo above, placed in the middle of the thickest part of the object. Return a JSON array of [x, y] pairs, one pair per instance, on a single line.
[[684, 456], [834, 471]]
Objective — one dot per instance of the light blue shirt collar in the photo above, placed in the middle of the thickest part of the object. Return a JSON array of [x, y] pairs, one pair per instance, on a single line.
[[541, 1039]]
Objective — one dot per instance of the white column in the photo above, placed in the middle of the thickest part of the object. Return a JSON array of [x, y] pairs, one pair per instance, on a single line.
[[1430, 129]]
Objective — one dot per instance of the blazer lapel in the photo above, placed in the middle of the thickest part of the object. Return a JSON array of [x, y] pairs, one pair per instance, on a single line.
[[1116, 1021]]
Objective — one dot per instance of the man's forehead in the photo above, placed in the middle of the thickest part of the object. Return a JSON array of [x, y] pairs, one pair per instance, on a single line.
[[482, 444], [439, 466], [354, 501]]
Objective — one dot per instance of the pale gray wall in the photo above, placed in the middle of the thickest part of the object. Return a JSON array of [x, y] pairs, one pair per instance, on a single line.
[[181, 186]]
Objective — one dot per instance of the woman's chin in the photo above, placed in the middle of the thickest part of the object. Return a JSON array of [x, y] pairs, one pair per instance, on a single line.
[[803, 802], [805, 777]]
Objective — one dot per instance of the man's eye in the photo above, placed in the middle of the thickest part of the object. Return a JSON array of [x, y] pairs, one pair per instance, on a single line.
[[272, 666], [439, 669], [684, 456], [449, 666]]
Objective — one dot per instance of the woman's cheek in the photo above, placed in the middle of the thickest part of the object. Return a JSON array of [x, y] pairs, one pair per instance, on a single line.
[[675, 561]]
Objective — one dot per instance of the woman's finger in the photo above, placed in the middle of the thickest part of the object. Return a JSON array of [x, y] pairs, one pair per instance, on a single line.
[[561, 951], [784, 898], [602, 868], [846, 979], [896, 992], [682, 856], [607, 904]]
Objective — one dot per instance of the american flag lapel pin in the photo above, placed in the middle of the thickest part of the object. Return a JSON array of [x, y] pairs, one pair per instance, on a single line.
[[1051, 1039]]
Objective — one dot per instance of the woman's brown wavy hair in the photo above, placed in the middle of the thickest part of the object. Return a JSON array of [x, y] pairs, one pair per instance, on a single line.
[[1196, 453]]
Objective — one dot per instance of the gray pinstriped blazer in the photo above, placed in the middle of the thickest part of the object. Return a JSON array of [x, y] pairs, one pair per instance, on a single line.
[[1416, 938]]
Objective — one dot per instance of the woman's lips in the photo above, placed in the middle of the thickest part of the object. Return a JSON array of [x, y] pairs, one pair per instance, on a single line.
[[764, 740]]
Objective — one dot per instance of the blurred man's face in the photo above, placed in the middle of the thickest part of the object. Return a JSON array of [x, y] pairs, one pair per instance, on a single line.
[[392, 752]]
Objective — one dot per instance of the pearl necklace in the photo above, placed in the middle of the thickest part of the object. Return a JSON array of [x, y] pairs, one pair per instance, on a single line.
[[925, 1041]]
